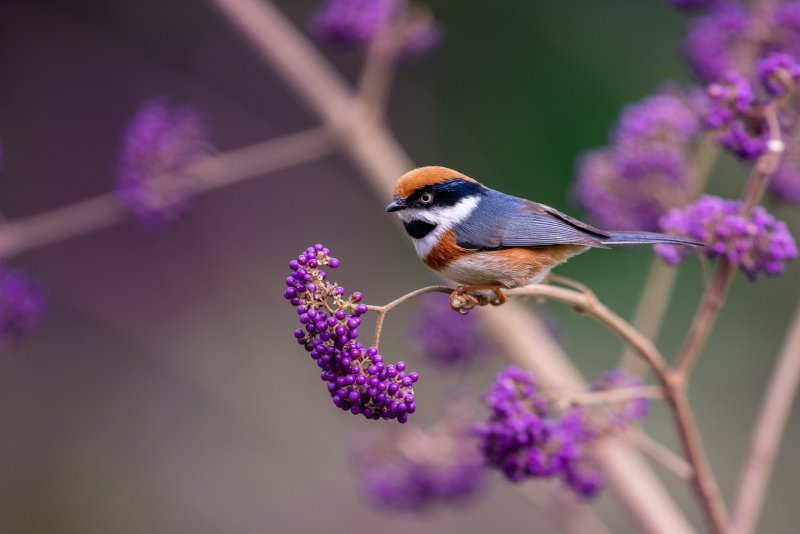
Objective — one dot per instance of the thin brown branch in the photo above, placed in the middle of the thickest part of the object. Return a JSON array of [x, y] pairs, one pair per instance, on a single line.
[[586, 303], [590, 398], [703, 481], [658, 452], [776, 406], [17, 236], [650, 311]]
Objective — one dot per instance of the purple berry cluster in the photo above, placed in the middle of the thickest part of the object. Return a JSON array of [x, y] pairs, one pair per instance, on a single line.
[[758, 244], [23, 303], [358, 22], [418, 470], [445, 338], [732, 111], [160, 143], [630, 184], [730, 37], [525, 437], [778, 73], [357, 378]]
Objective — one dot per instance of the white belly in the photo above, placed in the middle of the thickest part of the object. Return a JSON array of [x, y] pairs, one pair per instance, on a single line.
[[482, 268]]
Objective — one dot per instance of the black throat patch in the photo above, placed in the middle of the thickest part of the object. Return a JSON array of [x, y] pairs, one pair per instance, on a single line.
[[418, 229]]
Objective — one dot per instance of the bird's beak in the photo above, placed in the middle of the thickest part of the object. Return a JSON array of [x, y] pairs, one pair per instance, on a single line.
[[396, 205]]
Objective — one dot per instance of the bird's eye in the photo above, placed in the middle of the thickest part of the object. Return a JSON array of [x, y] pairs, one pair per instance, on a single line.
[[426, 198]]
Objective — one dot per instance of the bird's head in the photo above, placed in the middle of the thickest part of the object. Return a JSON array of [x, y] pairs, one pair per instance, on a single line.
[[428, 197]]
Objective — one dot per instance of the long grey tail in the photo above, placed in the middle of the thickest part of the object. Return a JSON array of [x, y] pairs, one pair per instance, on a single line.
[[643, 238]]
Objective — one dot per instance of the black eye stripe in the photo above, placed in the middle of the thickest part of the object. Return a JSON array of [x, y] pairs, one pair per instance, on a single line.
[[445, 194]]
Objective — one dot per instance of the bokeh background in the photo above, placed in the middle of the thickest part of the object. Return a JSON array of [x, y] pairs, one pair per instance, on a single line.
[[165, 393]]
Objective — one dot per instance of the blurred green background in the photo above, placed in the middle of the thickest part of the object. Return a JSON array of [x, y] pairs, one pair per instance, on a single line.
[[165, 393]]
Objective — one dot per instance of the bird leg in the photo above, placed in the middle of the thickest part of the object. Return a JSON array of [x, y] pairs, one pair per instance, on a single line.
[[464, 291]]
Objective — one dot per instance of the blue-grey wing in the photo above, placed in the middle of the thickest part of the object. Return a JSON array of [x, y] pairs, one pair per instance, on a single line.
[[503, 221]]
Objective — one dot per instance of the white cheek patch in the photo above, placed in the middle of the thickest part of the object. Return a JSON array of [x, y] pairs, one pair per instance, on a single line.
[[444, 219]]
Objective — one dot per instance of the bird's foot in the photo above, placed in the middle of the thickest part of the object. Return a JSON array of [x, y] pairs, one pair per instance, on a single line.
[[463, 298]]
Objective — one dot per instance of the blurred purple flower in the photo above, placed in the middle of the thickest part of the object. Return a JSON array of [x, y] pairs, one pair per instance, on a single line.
[[356, 376], [353, 21], [760, 244], [778, 73], [447, 338], [714, 44], [23, 303], [732, 111], [629, 185], [416, 470], [160, 143], [358, 22], [422, 37], [525, 438]]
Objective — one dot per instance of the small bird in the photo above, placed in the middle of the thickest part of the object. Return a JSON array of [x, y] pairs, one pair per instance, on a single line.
[[488, 240]]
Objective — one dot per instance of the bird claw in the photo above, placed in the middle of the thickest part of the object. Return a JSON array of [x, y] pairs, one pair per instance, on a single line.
[[462, 301]]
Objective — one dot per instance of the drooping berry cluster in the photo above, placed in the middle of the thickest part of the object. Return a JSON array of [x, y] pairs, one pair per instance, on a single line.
[[418, 470], [645, 171], [160, 143], [23, 303], [525, 437], [758, 244], [358, 380]]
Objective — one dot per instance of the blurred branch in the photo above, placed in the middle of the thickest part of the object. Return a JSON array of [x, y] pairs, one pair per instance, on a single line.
[[381, 159], [658, 452], [766, 439], [17, 236], [569, 515]]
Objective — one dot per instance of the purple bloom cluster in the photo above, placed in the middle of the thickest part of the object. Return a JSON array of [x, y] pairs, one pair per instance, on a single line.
[[23, 303], [629, 185], [731, 38], [160, 143], [358, 22], [358, 380], [523, 439], [732, 111], [526, 438], [446, 338], [758, 244], [418, 470], [715, 43], [354, 21], [778, 73]]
